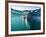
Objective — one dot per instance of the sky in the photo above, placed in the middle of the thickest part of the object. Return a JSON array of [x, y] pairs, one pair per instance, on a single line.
[[18, 7]]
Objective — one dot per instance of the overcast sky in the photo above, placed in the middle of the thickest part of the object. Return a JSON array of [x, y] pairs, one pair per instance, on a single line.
[[18, 7]]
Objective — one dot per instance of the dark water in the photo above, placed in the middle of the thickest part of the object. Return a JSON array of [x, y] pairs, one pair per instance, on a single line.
[[21, 23]]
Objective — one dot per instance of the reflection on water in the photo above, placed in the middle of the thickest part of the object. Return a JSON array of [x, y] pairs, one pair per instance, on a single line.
[[20, 20], [18, 23]]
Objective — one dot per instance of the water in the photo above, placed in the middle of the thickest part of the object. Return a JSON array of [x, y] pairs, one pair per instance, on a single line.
[[18, 23], [21, 22]]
